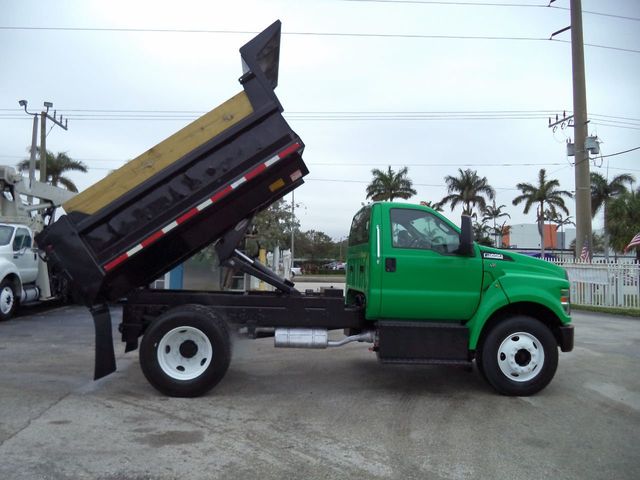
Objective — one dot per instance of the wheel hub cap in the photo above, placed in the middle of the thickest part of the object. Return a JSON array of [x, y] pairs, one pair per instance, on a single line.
[[520, 356], [184, 353]]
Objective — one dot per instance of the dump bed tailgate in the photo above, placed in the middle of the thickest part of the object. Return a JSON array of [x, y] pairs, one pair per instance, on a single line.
[[184, 193]]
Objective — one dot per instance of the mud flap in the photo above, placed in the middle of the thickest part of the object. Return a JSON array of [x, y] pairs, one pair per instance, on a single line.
[[105, 361]]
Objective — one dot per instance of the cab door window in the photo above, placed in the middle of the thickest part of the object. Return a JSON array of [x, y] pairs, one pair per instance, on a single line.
[[359, 232], [418, 229], [21, 240], [6, 232]]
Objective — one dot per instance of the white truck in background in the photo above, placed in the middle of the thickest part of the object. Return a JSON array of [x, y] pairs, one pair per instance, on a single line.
[[24, 276]]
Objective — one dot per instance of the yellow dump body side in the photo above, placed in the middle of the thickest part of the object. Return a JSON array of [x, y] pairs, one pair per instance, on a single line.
[[161, 156]]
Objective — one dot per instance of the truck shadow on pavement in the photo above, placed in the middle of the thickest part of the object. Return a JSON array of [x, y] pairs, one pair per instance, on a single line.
[[280, 375]]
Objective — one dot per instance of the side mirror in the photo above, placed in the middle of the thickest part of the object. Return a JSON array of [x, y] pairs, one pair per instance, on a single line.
[[466, 236]]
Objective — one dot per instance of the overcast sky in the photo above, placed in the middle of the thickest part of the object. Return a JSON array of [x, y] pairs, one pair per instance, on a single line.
[[394, 95]]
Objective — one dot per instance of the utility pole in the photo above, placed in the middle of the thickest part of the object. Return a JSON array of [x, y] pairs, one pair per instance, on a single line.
[[43, 146], [582, 175], [43, 136], [293, 219], [34, 144]]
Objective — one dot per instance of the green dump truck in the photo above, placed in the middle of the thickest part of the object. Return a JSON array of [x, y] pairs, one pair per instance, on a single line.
[[418, 289]]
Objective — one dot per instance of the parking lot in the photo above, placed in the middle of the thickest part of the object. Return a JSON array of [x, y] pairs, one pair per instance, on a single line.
[[312, 414]]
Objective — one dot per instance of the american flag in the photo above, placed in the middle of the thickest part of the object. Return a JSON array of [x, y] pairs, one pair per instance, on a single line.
[[635, 241], [584, 255]]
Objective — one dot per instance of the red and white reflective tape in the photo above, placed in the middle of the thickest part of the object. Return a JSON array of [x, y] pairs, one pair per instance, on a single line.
[[220, 194]]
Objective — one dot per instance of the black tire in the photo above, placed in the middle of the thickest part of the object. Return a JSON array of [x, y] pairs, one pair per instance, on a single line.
[[186, 366], [479, 365], [8, 299], [519, 356]]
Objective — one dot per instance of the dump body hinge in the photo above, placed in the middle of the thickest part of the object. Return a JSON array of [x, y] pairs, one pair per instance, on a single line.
[[230, 256], [247, 265]]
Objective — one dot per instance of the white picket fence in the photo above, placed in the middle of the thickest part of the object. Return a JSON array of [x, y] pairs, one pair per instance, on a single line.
[[604, 284]]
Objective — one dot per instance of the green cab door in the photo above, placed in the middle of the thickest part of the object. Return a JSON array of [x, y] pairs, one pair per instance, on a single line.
[[422, 276]]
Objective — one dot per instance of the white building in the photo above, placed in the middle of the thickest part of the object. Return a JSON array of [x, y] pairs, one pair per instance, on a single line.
[[526, 235]]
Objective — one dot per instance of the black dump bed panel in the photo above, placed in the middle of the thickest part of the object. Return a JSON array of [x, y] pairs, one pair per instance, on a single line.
[[168, 217]]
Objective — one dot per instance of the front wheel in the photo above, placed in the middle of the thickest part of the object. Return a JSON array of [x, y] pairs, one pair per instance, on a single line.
[[519, 356], [186, 351], [8, 300]]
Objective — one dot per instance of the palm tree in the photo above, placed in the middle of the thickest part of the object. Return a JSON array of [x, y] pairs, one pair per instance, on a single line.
[[493, 213], [469, 190], [481, 232], [390, 185], [560, 221], [57, 166], [623, 219], [602, 192], [545, 192]]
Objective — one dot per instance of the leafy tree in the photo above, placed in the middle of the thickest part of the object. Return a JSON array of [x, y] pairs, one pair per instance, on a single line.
[[545, 193], [597, 244], [481, 232], [602, 193], [272, 226], [491, 214], [314, 245], [623, 218], [57, 166], [390, 185], [469, 190], [437, 206]]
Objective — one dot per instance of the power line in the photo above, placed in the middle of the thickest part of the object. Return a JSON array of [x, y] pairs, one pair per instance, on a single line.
[[343, 180], [318, 112], [620, 153], [249, 32], [602, 124], [610, 124], [622, 17], [607, 47], [611, 116], [367, 165], [453, 3], [621, 122], [490, 4], [448, 164], [620, 169], [318, 34], [156, 112]]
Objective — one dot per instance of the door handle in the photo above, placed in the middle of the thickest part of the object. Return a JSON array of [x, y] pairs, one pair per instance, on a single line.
[[389, 264]]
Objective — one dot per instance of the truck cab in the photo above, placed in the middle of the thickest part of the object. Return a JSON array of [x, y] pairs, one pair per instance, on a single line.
[[18, 266], [409, 269]]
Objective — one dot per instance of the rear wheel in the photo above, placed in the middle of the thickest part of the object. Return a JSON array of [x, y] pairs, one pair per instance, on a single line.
[[519, 356], [186, 351]]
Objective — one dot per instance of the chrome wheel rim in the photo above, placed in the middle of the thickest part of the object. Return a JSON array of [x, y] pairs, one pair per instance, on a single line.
[[521, 357], [184, 353]]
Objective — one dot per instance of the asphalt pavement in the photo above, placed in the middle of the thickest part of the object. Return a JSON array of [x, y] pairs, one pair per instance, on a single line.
[[312, 414]]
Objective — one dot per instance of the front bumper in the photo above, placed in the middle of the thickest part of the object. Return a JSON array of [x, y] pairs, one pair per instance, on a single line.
[[565, 337]]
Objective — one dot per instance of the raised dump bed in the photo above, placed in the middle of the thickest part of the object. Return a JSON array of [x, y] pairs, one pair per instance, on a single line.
[[186, 192]]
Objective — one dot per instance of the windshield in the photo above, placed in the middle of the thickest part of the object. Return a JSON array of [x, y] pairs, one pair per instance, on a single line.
[[6, 232]]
